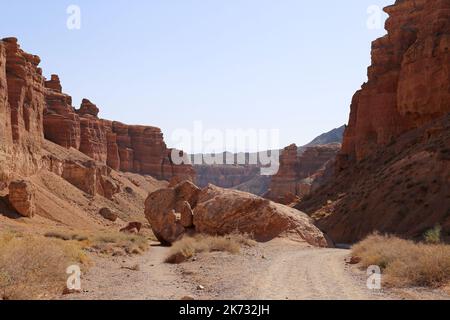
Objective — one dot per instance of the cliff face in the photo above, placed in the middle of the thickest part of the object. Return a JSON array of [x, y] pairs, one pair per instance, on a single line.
[[137, 149], [393, 172], [299, 170], [408, 82], [21, 107], [32, 108]]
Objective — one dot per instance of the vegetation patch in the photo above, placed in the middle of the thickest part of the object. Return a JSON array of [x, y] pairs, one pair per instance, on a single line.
[[34, 267], [406, 263], [188, 247]]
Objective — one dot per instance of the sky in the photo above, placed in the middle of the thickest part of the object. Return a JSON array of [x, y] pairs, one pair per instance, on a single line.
[[286, 66]]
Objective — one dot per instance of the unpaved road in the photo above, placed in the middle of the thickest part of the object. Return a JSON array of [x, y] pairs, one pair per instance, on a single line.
[[277, 270], [114, 279]]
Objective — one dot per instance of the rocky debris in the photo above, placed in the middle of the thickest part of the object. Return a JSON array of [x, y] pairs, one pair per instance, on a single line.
[[299, 170], [108, 214], [132, 227], [393, 173], [160, 210], [218, 211], [22, 198]]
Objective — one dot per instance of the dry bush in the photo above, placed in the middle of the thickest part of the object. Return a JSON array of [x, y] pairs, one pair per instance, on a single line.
[[187, 247], [65, 236], [433, 236], [118, 242], [106, 242], [34, 267], [406, 263]]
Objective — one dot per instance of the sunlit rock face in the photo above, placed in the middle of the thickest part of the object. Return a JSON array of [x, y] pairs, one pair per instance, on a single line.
[[408, 82]]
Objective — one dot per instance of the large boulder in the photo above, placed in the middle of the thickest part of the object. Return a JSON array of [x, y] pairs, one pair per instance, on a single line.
[[185, 208], [222, 211], [161, 211], [22, 198]]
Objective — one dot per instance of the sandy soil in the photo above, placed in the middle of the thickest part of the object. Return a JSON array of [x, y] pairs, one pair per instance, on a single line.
[[277, 270]]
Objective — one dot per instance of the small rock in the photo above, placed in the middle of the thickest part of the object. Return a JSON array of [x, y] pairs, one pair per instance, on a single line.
[[354, 260], [200, 287], [68, 291], [108, 214]]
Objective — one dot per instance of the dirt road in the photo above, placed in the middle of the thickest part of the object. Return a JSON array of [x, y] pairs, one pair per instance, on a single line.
[[115, 279], [277, 270]]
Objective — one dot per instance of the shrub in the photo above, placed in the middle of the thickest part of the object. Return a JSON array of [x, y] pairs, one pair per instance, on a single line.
[[433, 236], [405, 263], [109, 242], [187, 247], [34, 267]]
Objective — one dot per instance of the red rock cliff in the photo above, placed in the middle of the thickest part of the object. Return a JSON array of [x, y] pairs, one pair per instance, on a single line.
[[298, 171], [138, 149], [32, 108], [408, 82], [21, 107], [394, 168]]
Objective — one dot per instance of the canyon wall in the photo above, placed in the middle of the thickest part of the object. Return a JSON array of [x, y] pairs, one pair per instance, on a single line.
[[393, 174], [408, 81], [299, 170], [137, 149], [21, 110], [32, 108], [247, 178]]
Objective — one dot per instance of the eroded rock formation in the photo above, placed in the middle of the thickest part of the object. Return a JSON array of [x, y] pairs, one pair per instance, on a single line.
[[299, 170], [138, 149], [185, 208], [41, 132], [393, 172], [408, 82], [22, 198], [21, 107]]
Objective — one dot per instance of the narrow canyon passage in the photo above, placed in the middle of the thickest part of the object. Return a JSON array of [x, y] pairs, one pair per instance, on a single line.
[[263, 272]]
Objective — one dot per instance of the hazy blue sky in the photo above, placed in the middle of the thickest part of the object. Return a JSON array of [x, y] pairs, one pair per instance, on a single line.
[[291, 65]]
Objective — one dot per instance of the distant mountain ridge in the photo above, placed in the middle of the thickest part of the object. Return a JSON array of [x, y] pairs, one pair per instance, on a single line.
[[333, 136]]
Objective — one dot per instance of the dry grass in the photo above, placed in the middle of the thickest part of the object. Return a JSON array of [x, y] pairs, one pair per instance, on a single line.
[[406, 263], [106, 242], [187, 247], [118, 243], [34, 267]]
